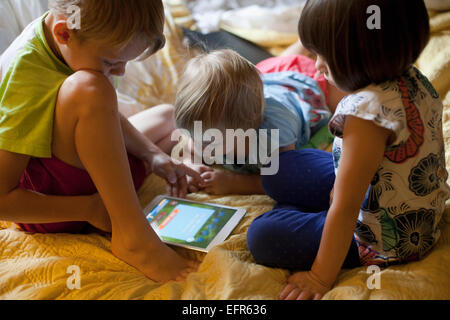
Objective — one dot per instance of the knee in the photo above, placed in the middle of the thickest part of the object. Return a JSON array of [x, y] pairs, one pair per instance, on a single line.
[[286, 238], [255, 240], [269, 185], [274, 185], [262, 240], [166, 112]]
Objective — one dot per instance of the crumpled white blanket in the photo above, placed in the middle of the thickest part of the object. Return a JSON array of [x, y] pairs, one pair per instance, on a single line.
[[270, 14], [282, 19]]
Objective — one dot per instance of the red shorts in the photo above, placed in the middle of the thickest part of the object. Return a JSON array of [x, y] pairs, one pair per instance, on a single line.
[[297, 63], [54, 177]]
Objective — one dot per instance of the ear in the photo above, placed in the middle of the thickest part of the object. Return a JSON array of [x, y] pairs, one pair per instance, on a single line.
[[61, 32]]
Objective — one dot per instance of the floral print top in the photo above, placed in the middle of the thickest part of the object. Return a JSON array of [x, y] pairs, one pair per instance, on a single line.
[[399, 217]]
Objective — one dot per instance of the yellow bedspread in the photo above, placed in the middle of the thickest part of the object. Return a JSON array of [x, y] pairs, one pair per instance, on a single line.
[[39, 266]]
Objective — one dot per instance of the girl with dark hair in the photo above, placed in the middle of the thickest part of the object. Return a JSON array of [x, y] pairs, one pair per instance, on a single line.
[[389, 191]]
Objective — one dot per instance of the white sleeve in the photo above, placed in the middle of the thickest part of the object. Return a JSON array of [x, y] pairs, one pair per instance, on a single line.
[[385, 109]]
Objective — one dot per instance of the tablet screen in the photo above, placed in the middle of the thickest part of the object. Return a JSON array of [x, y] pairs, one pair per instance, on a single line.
[[188, 223]]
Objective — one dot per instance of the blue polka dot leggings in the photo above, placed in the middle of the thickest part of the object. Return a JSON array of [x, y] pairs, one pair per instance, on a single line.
[[289, 235]]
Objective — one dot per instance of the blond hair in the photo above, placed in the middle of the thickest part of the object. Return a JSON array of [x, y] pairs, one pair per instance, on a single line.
[[116, 22], [223, 90]]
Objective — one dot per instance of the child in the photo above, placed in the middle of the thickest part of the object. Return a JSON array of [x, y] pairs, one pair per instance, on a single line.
[[390, 188], [223, 90], [59, 117]]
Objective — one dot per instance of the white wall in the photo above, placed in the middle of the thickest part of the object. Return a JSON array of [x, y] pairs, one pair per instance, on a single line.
[[15, 15]]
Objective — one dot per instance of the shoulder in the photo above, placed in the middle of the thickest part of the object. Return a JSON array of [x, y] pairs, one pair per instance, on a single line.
[[370, 98], [381, 104], [87, 86], [86, 81]]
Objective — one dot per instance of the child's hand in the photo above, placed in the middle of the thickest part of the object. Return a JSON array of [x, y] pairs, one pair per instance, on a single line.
[[194, 186], [174, 172], [304, 286]]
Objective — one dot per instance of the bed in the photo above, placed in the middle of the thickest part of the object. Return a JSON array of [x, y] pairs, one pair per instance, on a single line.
[[37, 266]]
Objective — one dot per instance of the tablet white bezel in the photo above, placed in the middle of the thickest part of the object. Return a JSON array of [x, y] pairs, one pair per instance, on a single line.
[[219, 238]]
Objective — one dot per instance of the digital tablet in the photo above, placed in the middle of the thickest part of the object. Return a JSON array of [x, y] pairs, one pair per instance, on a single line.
[[225, 40], [194, 225]]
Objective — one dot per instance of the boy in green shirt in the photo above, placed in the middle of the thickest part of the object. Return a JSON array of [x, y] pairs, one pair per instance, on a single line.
[[60, 127]]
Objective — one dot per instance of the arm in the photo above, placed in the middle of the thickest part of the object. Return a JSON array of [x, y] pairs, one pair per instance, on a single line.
[[156, 160], [100, 147], [363, 149], [223, 181], [248, 184], [23, 206], [226, 182], [362, 152], [135, 142]]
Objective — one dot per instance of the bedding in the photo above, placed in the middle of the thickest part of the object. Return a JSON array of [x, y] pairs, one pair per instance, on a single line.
[[269, 14], [42, 266], [15, 15]]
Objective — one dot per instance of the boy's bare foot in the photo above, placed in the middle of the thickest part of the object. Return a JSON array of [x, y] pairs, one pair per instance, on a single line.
[[156, 261]]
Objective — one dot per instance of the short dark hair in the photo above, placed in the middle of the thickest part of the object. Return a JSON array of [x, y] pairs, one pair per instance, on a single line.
[[356, 55]]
